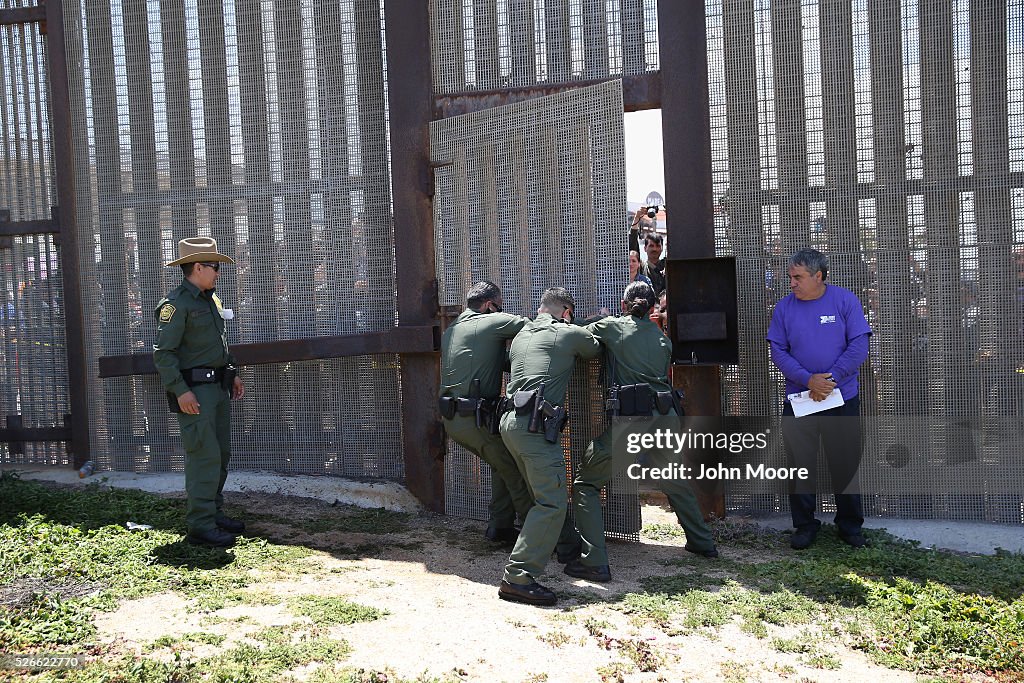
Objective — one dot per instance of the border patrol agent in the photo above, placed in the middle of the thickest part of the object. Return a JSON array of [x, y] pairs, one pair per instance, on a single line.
[[472, 356], [638, 375], [197, 370], [542, 358]]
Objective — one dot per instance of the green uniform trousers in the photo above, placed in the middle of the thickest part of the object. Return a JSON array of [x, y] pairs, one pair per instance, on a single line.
[[543, 467], [207, 441], [594, 473], [509, 494]]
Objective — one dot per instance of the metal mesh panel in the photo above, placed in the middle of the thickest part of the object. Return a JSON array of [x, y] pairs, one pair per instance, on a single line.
[[26, 175], [262, 125], [328, 433], [33, 364], [33, 360], [530, 196], [493, 44], [888, 135]]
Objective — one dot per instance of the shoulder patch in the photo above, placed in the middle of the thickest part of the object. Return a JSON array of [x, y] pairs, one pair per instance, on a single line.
[[166, 313]]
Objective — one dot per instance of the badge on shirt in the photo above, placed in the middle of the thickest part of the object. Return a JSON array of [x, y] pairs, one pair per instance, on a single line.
[[166, 313]]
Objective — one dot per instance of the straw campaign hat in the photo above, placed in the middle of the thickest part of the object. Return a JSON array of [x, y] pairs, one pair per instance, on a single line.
[[195, 249]]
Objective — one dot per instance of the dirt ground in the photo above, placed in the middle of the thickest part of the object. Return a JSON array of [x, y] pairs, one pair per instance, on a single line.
[[438, 582]]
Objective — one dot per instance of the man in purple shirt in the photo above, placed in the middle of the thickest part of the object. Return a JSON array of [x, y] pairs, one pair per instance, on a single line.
[[819, 340]]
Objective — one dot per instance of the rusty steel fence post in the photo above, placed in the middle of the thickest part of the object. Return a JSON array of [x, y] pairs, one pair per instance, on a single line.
[[411, 99], [686, 131], [64, 172]]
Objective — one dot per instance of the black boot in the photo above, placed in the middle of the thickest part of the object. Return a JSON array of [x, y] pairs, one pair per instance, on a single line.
[[600, 574], [213, 538], [234, 526], [530, 593]]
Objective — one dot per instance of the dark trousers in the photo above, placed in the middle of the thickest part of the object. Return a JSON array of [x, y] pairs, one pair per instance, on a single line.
[[207, 441], [838, 431]]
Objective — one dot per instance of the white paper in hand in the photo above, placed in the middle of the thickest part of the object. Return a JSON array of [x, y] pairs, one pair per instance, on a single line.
[[803, 404]]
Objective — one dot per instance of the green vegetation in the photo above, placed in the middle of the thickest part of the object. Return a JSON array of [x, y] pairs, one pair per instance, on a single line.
[[65, 554], [908, 607], [201, 638], [331, 610], [555, 639]]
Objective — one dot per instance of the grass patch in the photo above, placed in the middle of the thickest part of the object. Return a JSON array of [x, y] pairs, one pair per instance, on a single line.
[[734, 672], [209, 601], [821, 572], [932, 626], [910, 608], [328, 611], [640, 652], [791, 645], [663, 532], [199, 638], [728, 532], [596, 627], [734, 533], [613, 673], [45, 620], [274, 652], [59, 539], [823, 660], [679, 600], [555, 639]]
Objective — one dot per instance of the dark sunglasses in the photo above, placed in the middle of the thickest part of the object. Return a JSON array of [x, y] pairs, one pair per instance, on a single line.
[[215, 266]]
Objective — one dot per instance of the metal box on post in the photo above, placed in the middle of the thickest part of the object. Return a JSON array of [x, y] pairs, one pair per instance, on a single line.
[[702, 315]]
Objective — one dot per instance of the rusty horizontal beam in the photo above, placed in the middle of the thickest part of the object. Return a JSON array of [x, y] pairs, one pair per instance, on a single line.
[[21, 434], [418, 339], [40, 227], [23, 15], [640, 91]]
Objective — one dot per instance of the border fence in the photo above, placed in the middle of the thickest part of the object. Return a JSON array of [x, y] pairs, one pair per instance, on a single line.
[[889, 133]]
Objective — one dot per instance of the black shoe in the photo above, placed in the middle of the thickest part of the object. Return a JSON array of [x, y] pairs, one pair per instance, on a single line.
[[214, 538], [530, 593], [505, 535], [710, 553], [234, 526], [803, 538], [856, 540], [600, 573]]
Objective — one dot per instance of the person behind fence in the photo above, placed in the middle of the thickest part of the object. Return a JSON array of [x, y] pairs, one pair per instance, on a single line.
[[198, 372], [634, 268], [819, 339], [654, 267], [637, 357], [472, 357], [542, 358]]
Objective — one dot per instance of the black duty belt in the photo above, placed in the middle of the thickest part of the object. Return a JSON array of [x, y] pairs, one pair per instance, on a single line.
[[641, 400], [450, 406], [195, 376]]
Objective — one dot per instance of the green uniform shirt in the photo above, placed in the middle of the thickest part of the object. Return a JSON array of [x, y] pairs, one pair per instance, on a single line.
[[190, 334], [473, 347], [545, 352], [641, 351]]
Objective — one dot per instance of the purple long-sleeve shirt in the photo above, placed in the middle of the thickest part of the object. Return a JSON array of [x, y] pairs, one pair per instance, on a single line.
[[827, 334]]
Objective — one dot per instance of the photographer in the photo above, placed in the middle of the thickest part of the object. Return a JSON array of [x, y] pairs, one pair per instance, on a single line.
[[654, 267]]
